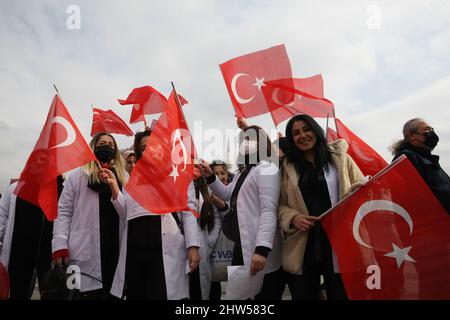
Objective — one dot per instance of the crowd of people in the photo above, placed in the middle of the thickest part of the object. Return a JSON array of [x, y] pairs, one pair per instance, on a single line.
[[268, 209]]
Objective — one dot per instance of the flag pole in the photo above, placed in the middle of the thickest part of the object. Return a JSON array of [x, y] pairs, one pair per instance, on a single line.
[[335, 123], [326, 131], [182, 112], [56, 89], [381, 172]]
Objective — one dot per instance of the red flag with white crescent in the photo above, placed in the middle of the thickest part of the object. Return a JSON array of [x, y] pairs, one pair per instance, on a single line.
[[60, 148], [161, 178], [392, 238], [245, 76], [289, 97]]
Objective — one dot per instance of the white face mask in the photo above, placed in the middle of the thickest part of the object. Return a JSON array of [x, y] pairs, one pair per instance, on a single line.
[[248, 147]]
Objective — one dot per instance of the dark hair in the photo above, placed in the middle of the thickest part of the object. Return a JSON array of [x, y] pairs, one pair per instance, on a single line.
[[282, 144], [137, 141], [322, 155], [220, 163], [263, 140], [207, 209]]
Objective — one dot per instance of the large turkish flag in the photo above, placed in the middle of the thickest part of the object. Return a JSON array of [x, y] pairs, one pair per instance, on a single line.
[[392, 238]]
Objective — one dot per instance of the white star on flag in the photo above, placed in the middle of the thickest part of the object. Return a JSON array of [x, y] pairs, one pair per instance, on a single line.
[[400, 255], [259, 83], [174, 173]]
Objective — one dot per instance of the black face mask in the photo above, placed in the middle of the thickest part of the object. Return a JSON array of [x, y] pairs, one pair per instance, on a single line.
[[431, 139], [104, 153]]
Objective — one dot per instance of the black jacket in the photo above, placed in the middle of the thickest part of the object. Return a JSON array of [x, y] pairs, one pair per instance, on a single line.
[[428, 167]]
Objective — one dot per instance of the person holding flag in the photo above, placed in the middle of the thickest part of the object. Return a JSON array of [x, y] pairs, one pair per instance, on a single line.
[[253, 196], [26, 233], [155, 247], [314, 176], [28, 236], [88, 230]]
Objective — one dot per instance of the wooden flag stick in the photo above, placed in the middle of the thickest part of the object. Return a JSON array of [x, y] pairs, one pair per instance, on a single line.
[[335, 123], [326, 132]]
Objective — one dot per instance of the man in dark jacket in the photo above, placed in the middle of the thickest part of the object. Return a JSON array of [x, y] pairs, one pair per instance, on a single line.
[[419, 140]]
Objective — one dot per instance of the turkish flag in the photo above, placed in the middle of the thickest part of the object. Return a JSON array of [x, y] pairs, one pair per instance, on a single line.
[[108, 121], [367, 159], [60, 148], [288, 97], [161, 178], [145, 100], [245, 76], [392, 238]]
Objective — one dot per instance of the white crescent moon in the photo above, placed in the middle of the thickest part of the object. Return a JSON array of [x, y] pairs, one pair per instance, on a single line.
[[71, 136], [233, 88], [277, 100], [375, 205], [177, 137]]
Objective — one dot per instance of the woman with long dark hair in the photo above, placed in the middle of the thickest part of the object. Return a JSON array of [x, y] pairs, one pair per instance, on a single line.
[[314, 176], [253, 196]]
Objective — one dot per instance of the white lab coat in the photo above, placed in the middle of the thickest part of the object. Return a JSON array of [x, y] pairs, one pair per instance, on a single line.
[[7, 216], [257, 204], [77, 228], [174, 247]]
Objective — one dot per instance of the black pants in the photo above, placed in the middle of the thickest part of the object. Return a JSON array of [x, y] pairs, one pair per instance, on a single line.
[[27, 255], [195, 290], [216, 291], [307, 285], [21, 268], [144, 274], [273, 286]]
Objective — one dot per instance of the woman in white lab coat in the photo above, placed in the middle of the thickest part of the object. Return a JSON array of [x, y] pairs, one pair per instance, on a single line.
[[256, 235], [157, 250], [87, 230]]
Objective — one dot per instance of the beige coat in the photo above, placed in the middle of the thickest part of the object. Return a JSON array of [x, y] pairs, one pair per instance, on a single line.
[[291, 202]]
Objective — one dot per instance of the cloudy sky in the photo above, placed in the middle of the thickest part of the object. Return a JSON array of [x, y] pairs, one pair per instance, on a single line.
[[383, 62]]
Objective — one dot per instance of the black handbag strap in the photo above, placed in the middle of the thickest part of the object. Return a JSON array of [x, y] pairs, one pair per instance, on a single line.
[[178, 221], [237, 187]]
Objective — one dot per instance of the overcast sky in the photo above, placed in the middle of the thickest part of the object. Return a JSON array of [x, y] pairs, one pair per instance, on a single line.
[[383, 62]]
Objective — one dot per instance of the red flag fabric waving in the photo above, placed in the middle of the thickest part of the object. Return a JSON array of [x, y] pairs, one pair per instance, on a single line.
[[392, 238], [161, 178], [145, 100], [108, 121], [60, 148], [182, 100], [288, 97], [367, 159], [245, 76]]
